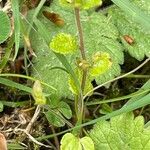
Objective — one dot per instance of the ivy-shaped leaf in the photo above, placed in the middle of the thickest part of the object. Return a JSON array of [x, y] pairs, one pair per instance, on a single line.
[[135, 40], [70, 142], [4, 27], [121, 132]]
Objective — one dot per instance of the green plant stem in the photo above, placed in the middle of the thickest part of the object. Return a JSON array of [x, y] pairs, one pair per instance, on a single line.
[[138, 76], [80, 103], [80, 32]]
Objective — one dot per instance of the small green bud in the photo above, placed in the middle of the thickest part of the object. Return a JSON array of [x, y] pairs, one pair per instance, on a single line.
[[38, 94], [63, 43], [82, 64]]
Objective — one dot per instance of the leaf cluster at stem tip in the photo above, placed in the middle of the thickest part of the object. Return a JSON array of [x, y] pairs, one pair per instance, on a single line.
[[81, 4]]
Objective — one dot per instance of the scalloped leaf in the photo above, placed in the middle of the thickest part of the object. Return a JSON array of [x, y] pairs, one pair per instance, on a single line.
[[101, 62], [63, 43], [70, 142], [4, 27], [127, 27], [100, 35], [121, 132]]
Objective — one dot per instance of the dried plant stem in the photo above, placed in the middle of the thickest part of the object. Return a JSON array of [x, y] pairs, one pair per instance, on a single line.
[[32, 138], [55, 138], [34, 118]]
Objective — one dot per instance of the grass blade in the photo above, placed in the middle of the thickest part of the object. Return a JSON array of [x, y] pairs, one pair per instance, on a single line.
[[13, 84], [27, 77], [132, 96], [16, 15]]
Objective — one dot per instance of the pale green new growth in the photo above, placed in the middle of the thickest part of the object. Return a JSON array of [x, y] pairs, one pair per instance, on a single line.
[[4, 27], [82, 4], [63, 43], [70, 142], [101, 63], [38, 94], [123, 132]]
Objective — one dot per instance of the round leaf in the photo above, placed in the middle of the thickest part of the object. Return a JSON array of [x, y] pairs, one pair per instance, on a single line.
[[63, 43], [87, 143], [70, 142], [101, 63]]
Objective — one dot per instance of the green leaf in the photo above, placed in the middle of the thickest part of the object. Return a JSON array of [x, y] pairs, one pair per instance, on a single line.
[[70, 142], [135, 12], [97, 38], [4, 27], [101, 63], [63, 43], [64, 108], [55, 118], [57, 112], [38, 94], [128, 28], [105, 109], [121, 132]]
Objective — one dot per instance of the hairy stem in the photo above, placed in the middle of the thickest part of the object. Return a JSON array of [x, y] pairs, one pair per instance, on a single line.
[[80, 32], [80, 103]]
